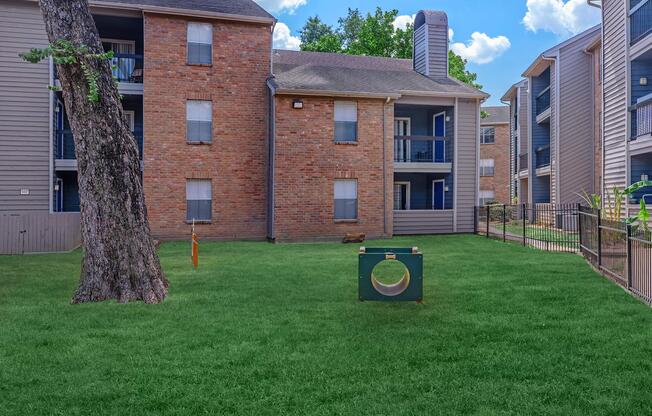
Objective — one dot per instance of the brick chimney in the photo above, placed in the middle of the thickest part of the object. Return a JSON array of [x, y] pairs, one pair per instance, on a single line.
[[430, 54]]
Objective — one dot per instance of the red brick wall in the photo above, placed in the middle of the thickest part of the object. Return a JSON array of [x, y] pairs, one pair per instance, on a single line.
[[499, 152], [307, 161], [236, 159]]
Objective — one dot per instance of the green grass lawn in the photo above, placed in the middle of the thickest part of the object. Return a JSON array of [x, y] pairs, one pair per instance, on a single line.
[[538, 232], [264, 329]]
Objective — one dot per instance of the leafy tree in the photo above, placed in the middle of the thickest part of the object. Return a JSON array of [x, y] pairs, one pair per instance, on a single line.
[[373, 35], [313, 30]]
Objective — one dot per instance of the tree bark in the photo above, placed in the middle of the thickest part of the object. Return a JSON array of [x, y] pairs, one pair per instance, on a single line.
[[120, 260]]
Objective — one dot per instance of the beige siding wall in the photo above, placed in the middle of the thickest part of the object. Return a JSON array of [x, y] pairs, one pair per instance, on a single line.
[[576, 122], [39, 232], [614, 20], [466, 177], [24, 111], [423, 222], [523, 118], [554, 125]]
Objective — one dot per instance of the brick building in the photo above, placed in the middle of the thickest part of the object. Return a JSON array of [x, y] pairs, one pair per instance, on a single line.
[[494, 156], [251, 143]]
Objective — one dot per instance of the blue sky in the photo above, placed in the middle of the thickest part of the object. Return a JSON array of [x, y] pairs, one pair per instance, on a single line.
[[499, 38]]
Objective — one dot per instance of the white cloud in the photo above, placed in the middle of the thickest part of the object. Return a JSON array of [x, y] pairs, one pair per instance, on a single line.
[[482, 49], [402, 21], [450, 34], [276, 6], [560, 17], [283, 38]]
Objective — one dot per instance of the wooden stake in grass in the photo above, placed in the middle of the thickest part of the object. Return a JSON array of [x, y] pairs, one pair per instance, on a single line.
[[120, 260]]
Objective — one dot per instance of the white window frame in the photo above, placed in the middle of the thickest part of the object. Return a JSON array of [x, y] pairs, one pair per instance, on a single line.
[[357, 200], [406, 143], [482, 168], [434, 118], [443, 194], [131, 119], [482, 134], [189, 119], [188, 41], [482, 199], [210, 184], [407, 194], [335, 120]]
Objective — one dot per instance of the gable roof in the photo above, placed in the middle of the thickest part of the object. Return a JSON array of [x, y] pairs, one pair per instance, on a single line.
[[215, 8], [496, 115], [334, 74], [512, 90], [537, 66]]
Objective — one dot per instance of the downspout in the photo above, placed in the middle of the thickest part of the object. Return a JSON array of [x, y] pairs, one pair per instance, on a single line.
[[510, 176], [530, 181], [271, 163], [387, 101], [51, 137], [455, 178]]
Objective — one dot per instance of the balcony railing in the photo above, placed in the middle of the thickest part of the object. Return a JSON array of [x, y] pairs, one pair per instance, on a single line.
[[640, 18], [543, 156], [523, 162], [64, 144], [124, 67], [543, 101], [642, 118], [420, 149]]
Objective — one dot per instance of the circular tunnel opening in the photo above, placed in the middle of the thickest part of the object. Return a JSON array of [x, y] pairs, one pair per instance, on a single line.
[[390, 278]]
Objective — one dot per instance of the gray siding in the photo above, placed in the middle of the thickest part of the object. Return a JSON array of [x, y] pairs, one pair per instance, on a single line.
[[420, 62], [24, 111], [576, 122], [554, 125], [467, 142], [39, 233], [431, 44], [523, 118], [614, 21], [423, 222], [438, 51]]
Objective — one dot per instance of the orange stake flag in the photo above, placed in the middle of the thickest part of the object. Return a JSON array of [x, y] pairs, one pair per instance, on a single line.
[[195, 248]]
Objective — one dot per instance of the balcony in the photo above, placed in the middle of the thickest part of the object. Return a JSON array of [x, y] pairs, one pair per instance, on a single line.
[[542, 105], [64, 148], [127, 70], [542, 156], [421, 154], [640, 17]]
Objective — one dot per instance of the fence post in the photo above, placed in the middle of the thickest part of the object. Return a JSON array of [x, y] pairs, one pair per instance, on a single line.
[[599, 221], [488, 219], [579, 226], [523, 215], [629, 256], [504, 224]]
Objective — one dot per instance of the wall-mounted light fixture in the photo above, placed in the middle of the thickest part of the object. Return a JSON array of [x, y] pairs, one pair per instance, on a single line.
[[448, 118], [643, 81], [297, 104]]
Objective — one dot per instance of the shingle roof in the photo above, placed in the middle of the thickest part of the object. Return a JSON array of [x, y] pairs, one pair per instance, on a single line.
[[364, 75], [230, 7], [496, 115]]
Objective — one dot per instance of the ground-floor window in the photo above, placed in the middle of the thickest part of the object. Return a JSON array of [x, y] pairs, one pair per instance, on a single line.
[[346, 199], [486, 197], [199, 197], [401, 196]]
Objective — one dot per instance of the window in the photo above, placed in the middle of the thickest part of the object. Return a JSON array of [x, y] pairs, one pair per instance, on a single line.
[[346, 199], [401, 196], [199, 121], [200, 43], [198, 200], [402, 146], [486, 197], [346, 121], [486, 167], [487, 135]]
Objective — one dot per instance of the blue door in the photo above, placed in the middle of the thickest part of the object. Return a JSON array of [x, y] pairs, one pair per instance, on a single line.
[[439, 128], [440, 151], [438, 194]]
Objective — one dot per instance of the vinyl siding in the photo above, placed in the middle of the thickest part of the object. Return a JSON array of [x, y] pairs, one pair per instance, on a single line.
[[614, 20], [438, 51], [420, 60], [423, 222], [467, 154], [24, 111], [554, 125], [576, 122], [523, 119]]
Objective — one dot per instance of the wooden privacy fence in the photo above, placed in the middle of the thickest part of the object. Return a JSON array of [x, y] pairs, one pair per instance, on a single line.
[[619, 251], [39, 232]]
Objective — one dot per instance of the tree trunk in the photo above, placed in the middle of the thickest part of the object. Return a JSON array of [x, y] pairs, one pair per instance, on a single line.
[[120, 260]]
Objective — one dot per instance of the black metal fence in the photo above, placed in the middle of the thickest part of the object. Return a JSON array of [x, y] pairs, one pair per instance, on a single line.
[[543, 226], [620, 251]]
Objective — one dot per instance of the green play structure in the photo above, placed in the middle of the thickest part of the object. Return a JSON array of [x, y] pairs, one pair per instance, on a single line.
[[408, 288]]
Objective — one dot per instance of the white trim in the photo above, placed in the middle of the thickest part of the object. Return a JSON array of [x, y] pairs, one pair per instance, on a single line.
[[409, 124], [455, 146], [60, 183], [187, 42], [131, 114], [50, 136], [407, 195], [443, 194], [120, 41], [434, 117], [406, 142]]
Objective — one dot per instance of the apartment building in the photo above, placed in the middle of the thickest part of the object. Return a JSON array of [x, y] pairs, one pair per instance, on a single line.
[[627, 96], [250, 143], [494, 156], [553, 124]]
